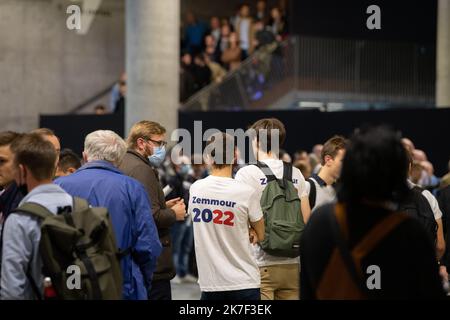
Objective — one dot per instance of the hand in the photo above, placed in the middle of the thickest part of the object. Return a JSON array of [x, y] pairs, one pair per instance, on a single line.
[[172, 202], [443, 273], [180, 210], [253, 237]]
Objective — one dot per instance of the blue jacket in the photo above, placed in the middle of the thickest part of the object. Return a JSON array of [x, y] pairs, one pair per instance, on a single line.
[[103, 185]]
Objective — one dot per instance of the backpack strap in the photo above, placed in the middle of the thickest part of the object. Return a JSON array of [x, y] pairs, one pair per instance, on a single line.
[[34, 209], [374, 236], [340, 234], [80, 204], [287, 171], [312, 193], [266, 170]]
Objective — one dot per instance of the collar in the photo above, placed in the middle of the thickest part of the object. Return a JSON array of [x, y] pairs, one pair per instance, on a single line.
[[100, 164], [138, 155], [43, 188], [319, 180]]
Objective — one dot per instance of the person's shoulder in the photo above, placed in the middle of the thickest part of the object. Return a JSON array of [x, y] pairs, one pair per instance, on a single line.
[[297, 173], [322, 213], [16, 219], [240, 186], [199, 183], [318, 225], [249, 169]]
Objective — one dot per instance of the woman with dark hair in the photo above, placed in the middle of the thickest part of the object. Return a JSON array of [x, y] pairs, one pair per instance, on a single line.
[[361, 247]]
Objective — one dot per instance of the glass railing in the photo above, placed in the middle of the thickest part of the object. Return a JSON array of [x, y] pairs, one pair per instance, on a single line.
[[306, 69]]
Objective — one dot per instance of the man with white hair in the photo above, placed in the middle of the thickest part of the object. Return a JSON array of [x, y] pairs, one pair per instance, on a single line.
[[103, 185]]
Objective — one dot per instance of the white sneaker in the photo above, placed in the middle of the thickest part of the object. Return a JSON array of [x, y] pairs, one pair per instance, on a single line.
[[189, 279], [177, 280]]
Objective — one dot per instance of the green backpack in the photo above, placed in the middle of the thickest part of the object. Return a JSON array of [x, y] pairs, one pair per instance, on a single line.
[[282, 214], [84, 239]]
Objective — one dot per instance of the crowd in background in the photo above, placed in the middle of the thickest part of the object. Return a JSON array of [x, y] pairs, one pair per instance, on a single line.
[[210, 50]]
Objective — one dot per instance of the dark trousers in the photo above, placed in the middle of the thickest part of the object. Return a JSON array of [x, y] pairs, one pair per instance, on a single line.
[[244, 294], [160, 290]]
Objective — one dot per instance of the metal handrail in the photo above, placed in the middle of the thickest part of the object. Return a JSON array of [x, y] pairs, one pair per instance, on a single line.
[[92, 99]]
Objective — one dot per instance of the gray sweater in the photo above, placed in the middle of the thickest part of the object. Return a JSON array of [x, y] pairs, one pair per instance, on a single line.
[[21, 238]]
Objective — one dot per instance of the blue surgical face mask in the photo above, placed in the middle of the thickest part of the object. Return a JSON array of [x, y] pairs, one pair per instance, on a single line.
[[185, 169], [158, 156]]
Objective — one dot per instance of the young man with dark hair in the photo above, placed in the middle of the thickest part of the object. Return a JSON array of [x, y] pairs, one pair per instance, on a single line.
[[222, 211], [34, 161], [68, 163], [50, 136], [320, 187], [362, 247], [278, 274]]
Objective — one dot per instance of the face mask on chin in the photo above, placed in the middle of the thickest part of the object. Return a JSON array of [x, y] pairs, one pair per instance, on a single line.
[[158, 156]]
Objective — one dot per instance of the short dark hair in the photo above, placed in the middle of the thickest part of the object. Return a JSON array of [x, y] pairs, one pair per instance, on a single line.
[[37, 154], [68, 159], [374, 167], [269, 124], [7, 137], [332, 147], [222, 149]]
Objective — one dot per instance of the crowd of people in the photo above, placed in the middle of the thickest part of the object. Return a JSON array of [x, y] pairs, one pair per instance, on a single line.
[[209, 51], [283, 228]]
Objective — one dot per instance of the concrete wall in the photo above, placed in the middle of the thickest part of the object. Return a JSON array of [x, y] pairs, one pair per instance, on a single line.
[[46, 68]]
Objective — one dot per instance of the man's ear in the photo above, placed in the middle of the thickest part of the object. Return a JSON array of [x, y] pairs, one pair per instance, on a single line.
[[327, 158], [22, 171], [71, 170], [85, 157]]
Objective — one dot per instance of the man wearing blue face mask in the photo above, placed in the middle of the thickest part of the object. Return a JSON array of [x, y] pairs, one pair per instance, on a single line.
[[146, 151]]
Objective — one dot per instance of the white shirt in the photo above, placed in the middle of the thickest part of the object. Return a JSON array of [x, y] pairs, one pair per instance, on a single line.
[[220, 209], [254, 177], [244, 33], [431, 200], [324, 193]]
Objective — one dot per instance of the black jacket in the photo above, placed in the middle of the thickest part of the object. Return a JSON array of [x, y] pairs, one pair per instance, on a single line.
[[10, 199]]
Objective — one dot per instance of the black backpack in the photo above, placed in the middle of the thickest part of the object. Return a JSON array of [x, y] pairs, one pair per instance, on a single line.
[[417, 206], [312, 193]]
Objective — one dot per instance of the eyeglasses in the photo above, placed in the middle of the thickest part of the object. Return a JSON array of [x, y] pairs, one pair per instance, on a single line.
[[160, 143]]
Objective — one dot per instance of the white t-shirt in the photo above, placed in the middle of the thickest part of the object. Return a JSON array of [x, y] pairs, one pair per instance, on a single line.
[[244, 33], [220, 209], [254, 177], [324, 193], [431, 200]]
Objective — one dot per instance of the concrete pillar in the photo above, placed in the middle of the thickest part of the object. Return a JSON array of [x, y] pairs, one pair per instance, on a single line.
[[443, 55], [152, 62]]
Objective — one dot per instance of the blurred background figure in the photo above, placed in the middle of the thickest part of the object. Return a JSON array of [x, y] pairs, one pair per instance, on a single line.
[[115, 94], [68, 163], [99, 109]]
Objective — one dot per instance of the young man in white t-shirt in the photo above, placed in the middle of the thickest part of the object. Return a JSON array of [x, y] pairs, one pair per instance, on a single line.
[[319, 187], [279, 275], [227, 219]]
